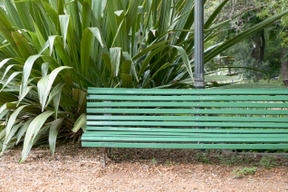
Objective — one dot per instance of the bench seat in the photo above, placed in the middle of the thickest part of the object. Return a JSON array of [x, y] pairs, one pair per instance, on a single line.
[[190, 118]]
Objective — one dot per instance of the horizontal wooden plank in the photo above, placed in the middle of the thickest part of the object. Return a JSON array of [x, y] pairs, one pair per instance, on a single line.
[[186, 98], [147, 134], [188, 130], [184, 139], [187, 118], [187, 124], [129, 91], [184, 145], [187, 111], [187, 104]]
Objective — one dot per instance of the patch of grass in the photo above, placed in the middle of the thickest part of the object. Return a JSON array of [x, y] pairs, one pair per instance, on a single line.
[[154, 161], [244, 171], [203, 157], [268, 162], [167, 162], [234, 160]]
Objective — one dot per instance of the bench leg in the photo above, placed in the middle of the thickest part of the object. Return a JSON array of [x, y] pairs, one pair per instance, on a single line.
[[105, 151]]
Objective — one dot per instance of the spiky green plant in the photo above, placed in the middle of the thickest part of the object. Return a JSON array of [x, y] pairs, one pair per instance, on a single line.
[[51, 51]]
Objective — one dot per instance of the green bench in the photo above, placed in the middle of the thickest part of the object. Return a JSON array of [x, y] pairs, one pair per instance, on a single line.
[[187, 119]]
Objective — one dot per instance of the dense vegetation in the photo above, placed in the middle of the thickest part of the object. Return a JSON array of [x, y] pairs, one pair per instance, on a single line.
[[266, 50], [51, 51]]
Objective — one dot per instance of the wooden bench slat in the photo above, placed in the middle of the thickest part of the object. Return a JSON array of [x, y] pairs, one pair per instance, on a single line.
[[188, 130], [187, 98], [141, 138], [129, 91], [188, 111], [187, 124], [187, 104], [188, 118], [184, 145], [177, 134]]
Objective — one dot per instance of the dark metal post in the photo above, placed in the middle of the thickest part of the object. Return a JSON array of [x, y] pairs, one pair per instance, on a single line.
[[199, 45]]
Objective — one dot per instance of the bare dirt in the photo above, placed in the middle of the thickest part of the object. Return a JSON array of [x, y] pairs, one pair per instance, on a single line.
[[80, 169]]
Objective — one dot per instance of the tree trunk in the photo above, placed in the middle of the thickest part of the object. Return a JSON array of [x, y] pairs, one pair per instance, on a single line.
[[259, 52], [284, 64], [262, 47]]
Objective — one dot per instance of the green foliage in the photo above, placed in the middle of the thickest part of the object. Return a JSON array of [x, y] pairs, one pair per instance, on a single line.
[[244, 171], [52, 51], [262, 50], [203, 157], [154, 161], [167, 162], [268, 162], [245, 64], [232, 161], [270, 7]]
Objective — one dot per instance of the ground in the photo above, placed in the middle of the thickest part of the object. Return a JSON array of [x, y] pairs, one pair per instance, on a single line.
[[80, 169]]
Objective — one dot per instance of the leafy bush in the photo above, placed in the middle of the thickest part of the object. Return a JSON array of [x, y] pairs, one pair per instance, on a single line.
[[52, 51]]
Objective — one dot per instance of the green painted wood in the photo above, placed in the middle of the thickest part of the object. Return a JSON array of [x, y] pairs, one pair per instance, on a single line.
[[186, 98], [187, 118], [213, 130], [187, 124], [127, 91], [158, 118], [188, 130], [188, 104], [184, 139], [184, 145], [187, 111], [177, 134]]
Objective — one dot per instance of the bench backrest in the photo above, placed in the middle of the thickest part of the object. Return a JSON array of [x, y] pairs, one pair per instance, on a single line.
[[188, 108]]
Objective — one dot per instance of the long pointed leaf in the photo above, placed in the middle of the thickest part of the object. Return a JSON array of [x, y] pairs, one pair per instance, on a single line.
[[55, 91], [115, 56], [64, 23], [212, 17], [6, 71], [53, 132], [81, 121], [27, 71], [10, 135], [10, 124], [22, 131], [96, 32], [45, 84], [185, 59], [13, 117], [4, 61], [32, 132], [56, 101], [11, 77]]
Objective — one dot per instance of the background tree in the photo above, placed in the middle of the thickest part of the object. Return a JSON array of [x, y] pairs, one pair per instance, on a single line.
[[265, 50], [270, 8]]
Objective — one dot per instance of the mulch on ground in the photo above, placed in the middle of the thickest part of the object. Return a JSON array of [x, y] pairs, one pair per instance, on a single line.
[[73, 168]]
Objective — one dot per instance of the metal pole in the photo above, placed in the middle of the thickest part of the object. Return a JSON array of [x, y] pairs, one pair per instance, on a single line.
[[199, 45]]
